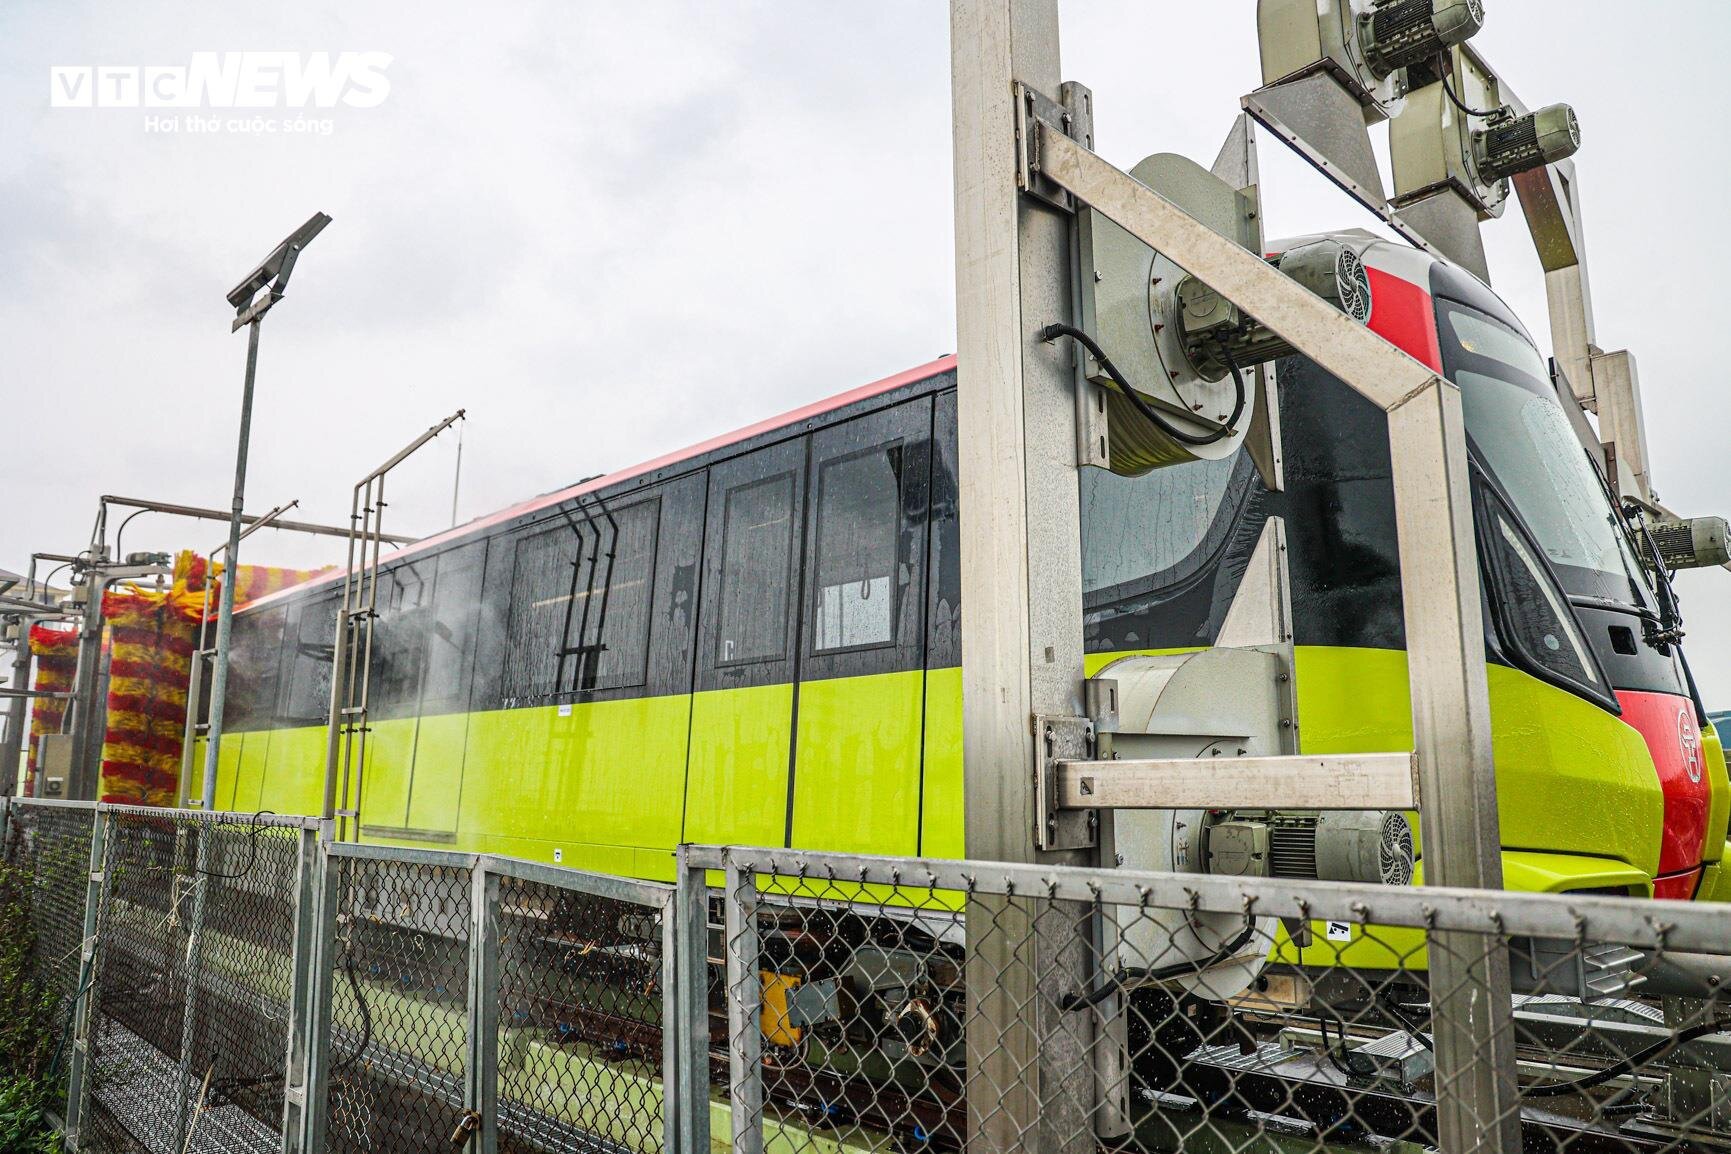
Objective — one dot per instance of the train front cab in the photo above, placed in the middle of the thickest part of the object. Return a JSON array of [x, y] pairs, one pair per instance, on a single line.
[[1606, 780]]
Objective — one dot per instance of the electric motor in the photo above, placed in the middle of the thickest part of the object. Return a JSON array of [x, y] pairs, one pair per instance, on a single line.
[[1217, 334], [1371, 846], [1695, 543], [1516, 145], [1399, 33]]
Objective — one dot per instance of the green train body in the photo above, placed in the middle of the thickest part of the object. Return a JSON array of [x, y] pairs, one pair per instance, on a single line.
[[757, 641]]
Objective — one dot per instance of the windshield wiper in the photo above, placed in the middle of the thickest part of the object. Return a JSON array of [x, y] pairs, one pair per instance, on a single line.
[[1628, 524], [1668, 630], [1612, 605]]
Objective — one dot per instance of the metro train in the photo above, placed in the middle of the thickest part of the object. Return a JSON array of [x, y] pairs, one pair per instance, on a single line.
[[756, 640]]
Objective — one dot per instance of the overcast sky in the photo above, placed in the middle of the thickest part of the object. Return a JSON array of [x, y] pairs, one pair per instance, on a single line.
[[607, 230]]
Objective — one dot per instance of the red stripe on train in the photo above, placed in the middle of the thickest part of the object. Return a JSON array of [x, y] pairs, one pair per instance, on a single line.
[[1402, 314], [1667, 723]]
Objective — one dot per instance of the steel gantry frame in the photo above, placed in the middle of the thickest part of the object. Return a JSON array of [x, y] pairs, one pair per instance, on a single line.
[[1019, 131], [351, 670]]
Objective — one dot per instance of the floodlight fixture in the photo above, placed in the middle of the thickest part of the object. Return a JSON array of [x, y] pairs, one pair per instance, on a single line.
[[278, 265]]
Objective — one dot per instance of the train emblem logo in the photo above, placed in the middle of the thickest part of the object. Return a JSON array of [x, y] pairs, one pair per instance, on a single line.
[[1689, 738]]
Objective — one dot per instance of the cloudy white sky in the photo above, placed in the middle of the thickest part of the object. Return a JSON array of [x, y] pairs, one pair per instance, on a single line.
[[611, 229]]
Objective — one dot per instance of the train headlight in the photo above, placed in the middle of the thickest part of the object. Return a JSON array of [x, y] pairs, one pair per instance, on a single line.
[[1399, 33], [1516, 145]]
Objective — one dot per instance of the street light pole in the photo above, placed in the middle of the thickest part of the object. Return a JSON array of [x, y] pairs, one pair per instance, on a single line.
[[250, 307], [225, 614]]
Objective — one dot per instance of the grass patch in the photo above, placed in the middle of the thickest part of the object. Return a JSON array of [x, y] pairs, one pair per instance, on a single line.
[[31, 1018]]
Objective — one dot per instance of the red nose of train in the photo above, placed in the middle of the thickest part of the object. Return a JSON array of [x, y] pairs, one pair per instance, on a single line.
[[1667, 723]]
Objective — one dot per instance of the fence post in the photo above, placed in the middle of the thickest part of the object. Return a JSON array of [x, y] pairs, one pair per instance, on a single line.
[[481, 1089], [686, 1086], [744, 995], [308, 874], [194, 956], [77, 1071], [321, 984]]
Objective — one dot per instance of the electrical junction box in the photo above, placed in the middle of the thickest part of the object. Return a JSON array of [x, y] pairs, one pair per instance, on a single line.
[[1238, 848], [1398, 1057], [54, 762]]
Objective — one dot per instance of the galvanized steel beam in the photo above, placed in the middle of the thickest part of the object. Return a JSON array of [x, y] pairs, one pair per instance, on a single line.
[[1344, 781]]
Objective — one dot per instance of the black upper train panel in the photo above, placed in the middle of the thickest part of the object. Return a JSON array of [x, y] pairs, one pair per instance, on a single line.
[[798, 550]]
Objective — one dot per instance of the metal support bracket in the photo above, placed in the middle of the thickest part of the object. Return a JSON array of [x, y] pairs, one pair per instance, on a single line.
[[1358, 178], [1033, 109], [1057, 740]]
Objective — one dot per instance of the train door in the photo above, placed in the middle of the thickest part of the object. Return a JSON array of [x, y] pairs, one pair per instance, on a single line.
[[448, 657], [399, 652], [737, 773], [299, 746], [858, 704]]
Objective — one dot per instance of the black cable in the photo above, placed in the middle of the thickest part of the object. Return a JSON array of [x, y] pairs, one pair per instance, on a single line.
[[1142, 974], [1334, 1057], [121, 532], [44, 582], [1630, 1064], [366, 1016], [1053, 331], [251, 851], [1443, 70], [255, 828], [224, 1089]]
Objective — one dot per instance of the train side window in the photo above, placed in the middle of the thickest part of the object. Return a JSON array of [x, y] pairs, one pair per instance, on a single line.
[[606, 633], [856, 593], [580, 595], [308, 700], [253, 670], [450, 636], [540, 591], [399, 643], [757, 547]]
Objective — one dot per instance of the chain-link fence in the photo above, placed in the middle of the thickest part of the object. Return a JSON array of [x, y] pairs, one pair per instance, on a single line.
[[240, 983], [190, 982], [398, 1047], [48, 845], [476, 1002], [876, 1004]]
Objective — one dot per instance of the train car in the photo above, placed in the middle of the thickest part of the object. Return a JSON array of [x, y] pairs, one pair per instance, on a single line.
[[756, 640]]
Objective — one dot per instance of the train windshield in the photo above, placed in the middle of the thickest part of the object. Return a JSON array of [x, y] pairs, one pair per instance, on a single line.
[[1523, 438]]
